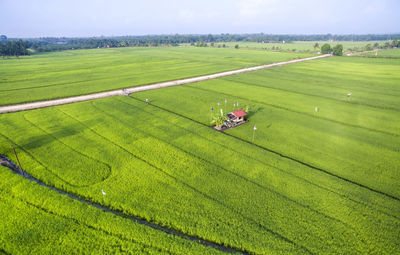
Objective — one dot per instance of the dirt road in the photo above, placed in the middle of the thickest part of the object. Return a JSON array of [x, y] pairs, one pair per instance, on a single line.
[[119, 92]]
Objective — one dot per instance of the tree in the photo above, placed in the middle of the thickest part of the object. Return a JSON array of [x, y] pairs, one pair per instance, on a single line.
[[395, 43], [316, 46], [237, 46], [14, 48], [219, 120], [326, 48], [368, 47], [338, 50], [3, 38]]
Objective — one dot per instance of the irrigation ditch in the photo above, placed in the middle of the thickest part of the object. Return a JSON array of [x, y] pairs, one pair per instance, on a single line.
[[4, 161]]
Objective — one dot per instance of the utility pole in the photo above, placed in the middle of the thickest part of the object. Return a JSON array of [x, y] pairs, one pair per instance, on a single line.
[[19, 163]]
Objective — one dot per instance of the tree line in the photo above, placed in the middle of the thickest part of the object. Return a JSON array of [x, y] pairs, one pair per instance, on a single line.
[[16, 47], [338, 49]]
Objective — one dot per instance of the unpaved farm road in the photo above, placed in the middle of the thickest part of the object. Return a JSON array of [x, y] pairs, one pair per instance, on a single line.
[[119, 92]]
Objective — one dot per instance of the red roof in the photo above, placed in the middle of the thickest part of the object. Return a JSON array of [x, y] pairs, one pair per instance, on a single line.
[[239, 113]]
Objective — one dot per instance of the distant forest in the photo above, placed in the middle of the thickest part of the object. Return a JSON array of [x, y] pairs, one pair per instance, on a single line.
[[18, 47]]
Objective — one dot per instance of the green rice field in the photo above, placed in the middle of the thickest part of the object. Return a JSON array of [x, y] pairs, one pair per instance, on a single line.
[[319, 175], [299, 45], [36, 220], [389, 53], [71, 73]]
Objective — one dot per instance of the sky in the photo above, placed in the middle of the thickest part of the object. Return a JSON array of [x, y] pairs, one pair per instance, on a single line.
[[84, 18]]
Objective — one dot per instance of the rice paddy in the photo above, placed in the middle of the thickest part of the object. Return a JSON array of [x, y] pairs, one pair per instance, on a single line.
[[320, 182], [77, 72]]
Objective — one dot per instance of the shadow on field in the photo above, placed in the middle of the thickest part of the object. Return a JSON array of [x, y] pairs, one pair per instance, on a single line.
[[40, 140], [253, 110]]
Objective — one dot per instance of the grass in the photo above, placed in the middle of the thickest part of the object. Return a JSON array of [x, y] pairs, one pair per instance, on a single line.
[[312, 182], [70, 73]]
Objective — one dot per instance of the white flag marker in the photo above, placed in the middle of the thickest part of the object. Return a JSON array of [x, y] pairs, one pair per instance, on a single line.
[[254, 131], [225, 104]]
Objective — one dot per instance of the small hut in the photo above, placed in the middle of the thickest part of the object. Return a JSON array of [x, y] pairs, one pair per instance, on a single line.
[[237, 116], [232, 120]]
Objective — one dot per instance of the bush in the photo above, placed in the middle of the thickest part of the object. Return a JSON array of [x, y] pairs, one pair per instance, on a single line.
[[326, 48], [338, 50]]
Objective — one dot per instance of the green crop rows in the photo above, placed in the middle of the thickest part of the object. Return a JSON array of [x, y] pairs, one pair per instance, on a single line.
[[71, 73], [38, 221], [324, 182], [361, 131]]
